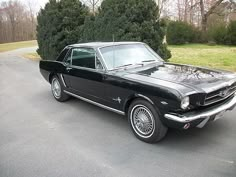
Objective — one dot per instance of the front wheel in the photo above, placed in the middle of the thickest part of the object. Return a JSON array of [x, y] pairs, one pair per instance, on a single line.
[[57, 91], [145, 122]]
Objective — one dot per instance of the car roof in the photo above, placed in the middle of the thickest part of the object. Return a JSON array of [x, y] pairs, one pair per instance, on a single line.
[[102, 44]]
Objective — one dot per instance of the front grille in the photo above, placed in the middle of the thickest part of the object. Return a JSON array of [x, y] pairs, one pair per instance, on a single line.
[[220, 94]]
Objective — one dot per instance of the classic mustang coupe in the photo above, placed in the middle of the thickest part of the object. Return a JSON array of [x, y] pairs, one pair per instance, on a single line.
[[129, 78]]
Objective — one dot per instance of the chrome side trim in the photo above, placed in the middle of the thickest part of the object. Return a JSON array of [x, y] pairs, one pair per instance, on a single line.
[[95, 103], [203, 114], [146, 98], [63, 81]]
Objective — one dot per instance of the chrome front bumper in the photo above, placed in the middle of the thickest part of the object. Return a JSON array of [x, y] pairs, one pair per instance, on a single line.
[[205, 114]]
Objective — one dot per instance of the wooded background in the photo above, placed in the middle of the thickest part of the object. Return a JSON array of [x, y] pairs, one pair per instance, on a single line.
[[18, 18], [17, 21]]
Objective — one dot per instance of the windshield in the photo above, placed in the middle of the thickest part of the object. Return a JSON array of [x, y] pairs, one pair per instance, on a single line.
[[128, 54]]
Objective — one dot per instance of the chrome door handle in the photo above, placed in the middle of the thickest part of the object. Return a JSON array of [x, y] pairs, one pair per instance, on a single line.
[[68, 68]]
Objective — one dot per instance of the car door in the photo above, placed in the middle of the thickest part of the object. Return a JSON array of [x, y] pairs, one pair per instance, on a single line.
[[86, 74]]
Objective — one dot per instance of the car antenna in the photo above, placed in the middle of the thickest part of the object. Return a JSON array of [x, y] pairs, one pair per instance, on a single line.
[[113, 51]]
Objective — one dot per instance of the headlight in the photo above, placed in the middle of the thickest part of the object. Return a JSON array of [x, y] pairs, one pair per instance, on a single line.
[[185, 103]]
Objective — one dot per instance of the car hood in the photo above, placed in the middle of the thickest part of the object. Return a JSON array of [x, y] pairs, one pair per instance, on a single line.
[[183, 77]]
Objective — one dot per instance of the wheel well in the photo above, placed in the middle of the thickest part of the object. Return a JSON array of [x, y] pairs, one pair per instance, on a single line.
[[128, 103], [50, 77], [135, 97]]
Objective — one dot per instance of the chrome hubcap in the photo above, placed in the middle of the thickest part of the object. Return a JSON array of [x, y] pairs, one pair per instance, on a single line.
[[142, 121], [56, 88]]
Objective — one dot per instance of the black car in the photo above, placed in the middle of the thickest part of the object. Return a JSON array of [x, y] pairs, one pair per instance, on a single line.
[[129, 78]]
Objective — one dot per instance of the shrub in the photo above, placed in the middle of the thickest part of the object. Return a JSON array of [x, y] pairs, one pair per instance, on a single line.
[[231, 33], [59, 24], [180, 33], [218, 34]]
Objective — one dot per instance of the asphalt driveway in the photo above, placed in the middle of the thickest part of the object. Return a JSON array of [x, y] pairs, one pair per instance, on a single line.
[[40, 137]]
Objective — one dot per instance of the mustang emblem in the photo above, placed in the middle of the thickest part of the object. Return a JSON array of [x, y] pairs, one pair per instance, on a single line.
[[117, 99], [224, 93]]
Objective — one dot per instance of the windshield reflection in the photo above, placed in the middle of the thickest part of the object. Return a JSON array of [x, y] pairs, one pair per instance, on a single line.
[[117, 56]]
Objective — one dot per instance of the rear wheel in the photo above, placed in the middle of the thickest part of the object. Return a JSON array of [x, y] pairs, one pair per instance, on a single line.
[[145, 122], [57, 91]]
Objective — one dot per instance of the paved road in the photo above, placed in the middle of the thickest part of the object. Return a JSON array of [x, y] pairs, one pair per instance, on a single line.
[[40, 137]]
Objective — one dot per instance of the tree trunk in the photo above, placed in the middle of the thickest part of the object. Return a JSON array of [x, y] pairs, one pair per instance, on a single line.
[[179, 10], [93, 7], [204, 23], [204, 20], [13, 32], [205, 15], [186, 10]]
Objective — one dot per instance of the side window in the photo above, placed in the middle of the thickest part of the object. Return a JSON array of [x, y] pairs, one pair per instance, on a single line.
[[83, 57]]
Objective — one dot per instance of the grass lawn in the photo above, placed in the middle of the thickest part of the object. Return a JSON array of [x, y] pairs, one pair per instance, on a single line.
[[220, 57], [32, 56], [16, 45]]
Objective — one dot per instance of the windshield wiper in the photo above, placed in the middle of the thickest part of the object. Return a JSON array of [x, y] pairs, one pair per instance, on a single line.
[[124, 66], [148, 61], [118, 67]]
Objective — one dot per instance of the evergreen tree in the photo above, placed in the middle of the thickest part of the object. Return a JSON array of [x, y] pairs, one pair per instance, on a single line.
[[68, 21], [89, 29], [128, 20], [59, 24]]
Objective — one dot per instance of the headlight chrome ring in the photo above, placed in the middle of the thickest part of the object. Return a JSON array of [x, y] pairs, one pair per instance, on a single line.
[[185, 102]]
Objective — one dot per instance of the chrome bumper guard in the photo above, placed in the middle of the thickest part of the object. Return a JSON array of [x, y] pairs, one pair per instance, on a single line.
[[206, 114]]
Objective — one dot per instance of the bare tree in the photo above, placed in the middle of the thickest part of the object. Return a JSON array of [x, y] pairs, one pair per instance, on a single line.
[[93, 4], [32, 13], [197, 12], [1, 24], [161, 5], [179, 10], [206, 13], [193, 8], [10, 9], [17, 22], [183, 7]]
